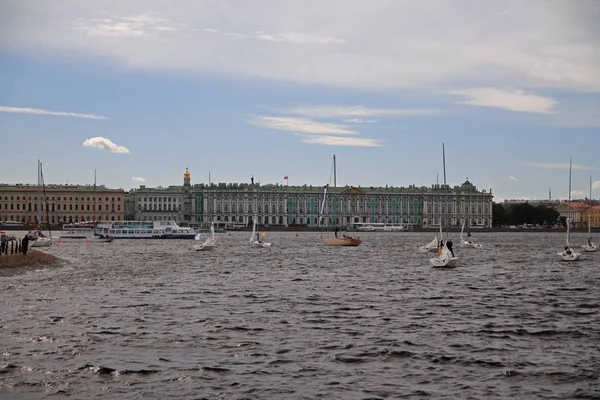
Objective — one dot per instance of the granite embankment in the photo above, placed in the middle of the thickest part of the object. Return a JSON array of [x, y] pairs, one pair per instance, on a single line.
[[33, 257]]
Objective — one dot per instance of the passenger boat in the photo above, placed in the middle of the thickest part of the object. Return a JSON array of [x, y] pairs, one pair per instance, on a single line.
[[146, 230]]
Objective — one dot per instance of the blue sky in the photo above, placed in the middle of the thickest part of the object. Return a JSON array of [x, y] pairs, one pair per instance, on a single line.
[[140, 90]]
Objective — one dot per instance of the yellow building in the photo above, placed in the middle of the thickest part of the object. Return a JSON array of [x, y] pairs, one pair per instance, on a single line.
[[594, 213], [62, 204]]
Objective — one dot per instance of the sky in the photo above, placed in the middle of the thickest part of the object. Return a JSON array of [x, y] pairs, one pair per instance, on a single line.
[[136, 91]]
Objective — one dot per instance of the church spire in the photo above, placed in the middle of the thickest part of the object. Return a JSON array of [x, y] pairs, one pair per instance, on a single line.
[[186, 177]]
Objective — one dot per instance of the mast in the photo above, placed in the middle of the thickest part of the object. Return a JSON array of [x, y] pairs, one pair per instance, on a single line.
[[569, 202], [445, 192], [94, 205], [334, 172], [39, 202], [589, 215], [45, 200]]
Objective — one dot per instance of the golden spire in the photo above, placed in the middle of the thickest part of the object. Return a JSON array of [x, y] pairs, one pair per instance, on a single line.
[[187, 174]]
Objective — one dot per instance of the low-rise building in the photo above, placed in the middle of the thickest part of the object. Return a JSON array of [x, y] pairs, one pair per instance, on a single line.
[[58, 204]]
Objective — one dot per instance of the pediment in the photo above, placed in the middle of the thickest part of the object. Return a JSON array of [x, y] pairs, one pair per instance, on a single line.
[[353, 190]]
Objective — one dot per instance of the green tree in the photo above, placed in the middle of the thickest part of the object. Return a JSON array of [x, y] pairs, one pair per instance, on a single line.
[[498, 215]]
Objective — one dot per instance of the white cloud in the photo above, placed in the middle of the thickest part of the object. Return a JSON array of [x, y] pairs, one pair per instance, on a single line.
[[577, 193], [596, 185], [388, 44], [355, 111], [138, 179], [299, 38], [105, 144], [558, 165], [341, 141], [511, 100], [301, 125], [20, 110], [512, 178], [359, 121]]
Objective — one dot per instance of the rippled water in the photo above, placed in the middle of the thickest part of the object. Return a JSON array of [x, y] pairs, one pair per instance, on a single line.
[[153, 319]]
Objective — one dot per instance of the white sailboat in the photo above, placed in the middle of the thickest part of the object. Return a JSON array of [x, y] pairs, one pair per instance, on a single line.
[[590, 246], [40, 239], [209, 243], [569, 254], [430, 247], [445, 257], [336, 240], [255, 240], [467, 243]]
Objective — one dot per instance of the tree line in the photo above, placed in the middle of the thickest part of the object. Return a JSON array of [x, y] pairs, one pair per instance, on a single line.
[[525, 213]]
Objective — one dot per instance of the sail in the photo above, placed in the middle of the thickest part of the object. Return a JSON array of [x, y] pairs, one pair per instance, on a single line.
[[323, 203]]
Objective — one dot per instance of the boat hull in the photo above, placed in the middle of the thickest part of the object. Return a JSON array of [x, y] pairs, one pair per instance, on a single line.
[[589, 248], [444, 262], [468, 244], [260, 245], [569, 257], [342, 241], [41, 242], [204, 247]]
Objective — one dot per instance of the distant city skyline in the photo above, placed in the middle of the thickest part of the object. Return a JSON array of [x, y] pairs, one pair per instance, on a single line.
[[140, 90]]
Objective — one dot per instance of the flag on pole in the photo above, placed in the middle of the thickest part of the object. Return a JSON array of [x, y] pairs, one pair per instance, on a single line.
[[285, 178]]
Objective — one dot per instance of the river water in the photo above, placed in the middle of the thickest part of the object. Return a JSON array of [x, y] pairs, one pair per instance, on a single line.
[[154, 319]]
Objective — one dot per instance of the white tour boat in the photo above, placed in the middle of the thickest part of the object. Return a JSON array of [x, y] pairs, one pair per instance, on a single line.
[[146, 230]]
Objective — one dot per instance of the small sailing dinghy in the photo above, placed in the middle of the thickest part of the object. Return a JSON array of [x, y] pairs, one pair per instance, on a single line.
[[430, 247], [569, 254], [255, 240], [336, 240], [467, 243], [209, 243], [445, 257], [39, 240]]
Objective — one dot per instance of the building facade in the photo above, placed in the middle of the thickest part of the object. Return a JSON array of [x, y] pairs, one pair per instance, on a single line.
[[237, 204], [60, 204]]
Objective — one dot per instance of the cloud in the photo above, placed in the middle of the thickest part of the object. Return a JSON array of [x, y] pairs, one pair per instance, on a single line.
[[558, 165], [315, 132], [341, 141], [359, 121], [105, 144], [20, 110], [356, 111], [511, 100], [577, 193], [138, 179], [299, 38], [512, 178], [596, 185], [531, 45], [301, 125]]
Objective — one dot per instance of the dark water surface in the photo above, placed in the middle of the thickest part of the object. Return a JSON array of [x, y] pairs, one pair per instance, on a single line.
[[153, 319]]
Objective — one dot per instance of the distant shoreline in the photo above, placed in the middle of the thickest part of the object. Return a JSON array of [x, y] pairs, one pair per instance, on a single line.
[[328, 229]]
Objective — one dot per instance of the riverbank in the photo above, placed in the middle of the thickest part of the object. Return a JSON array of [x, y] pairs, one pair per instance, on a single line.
[[33, 257]]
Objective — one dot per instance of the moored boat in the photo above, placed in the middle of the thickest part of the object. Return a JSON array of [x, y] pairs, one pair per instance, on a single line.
[[146, 230]]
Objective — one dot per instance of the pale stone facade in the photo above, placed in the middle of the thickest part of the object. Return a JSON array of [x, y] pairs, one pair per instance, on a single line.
[[61, 204], [236, 204]]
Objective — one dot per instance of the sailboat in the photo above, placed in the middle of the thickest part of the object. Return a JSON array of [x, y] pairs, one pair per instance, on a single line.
[[209, 243], [590, 246], [255, 240], [430, 247], [40, 239], [467, 243], [336, 240], [445, 257], [568, 254]]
